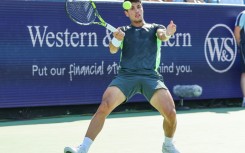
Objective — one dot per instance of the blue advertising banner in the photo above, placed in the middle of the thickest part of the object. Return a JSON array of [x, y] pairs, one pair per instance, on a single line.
[[48, 60]]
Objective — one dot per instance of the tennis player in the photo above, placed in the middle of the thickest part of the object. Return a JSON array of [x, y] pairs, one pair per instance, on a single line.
[[239, 33], [140, 45]]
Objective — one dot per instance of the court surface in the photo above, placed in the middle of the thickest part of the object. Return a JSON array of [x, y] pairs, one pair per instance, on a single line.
[[199, 131]]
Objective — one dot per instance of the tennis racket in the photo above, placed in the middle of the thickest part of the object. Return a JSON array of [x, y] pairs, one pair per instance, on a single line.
[[84, 12]]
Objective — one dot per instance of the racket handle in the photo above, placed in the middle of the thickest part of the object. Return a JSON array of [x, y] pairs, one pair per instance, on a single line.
[[111, 28]]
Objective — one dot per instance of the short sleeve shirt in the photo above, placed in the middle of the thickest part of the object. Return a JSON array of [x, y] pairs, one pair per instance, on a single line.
[[141, 49]]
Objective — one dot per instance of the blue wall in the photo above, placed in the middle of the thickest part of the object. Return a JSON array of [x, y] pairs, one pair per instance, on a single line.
[[37, 39]]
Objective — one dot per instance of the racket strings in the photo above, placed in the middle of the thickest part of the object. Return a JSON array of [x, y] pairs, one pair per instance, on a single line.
[[81, 11]]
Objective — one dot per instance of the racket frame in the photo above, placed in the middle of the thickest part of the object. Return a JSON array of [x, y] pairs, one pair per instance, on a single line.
[[96, 13]]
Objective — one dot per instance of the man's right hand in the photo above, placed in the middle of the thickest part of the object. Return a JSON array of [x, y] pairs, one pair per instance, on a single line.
[[119, 34]]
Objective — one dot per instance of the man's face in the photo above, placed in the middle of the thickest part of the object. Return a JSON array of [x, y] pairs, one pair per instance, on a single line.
[[135, 14]]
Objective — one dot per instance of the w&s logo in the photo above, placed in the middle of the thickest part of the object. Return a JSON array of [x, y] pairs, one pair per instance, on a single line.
[[220, 48]]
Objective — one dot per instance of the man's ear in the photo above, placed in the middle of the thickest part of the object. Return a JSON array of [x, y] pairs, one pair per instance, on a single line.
[[126, 13]]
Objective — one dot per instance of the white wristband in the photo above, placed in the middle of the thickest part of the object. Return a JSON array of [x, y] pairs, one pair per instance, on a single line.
[[116, 42]]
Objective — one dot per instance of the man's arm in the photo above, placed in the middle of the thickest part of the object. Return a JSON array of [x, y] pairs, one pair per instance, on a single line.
[[237, 34], [116, 41], [165, 34], [162, 34]]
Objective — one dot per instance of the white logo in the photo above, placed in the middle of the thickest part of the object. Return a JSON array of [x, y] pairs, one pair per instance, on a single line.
[[220, 48]]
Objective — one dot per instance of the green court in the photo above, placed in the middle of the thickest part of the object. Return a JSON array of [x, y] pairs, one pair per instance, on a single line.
[[219, 130]]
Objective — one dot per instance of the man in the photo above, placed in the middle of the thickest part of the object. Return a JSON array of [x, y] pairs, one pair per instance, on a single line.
[[240, 39], [140, 44]]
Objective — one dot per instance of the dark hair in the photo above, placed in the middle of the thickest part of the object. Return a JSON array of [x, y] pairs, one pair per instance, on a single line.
[[133, 1]]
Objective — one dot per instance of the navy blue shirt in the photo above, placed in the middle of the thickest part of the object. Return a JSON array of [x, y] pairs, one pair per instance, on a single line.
[[141, 49]]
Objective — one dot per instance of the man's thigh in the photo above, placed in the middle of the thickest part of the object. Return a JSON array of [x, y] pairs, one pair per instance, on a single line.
[[150, 85], [162, 100], [112, 97]]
